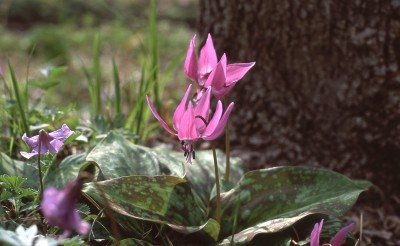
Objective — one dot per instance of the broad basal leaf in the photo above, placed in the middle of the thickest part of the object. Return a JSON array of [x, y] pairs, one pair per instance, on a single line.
[[117, 157], [274, 199], [201, 174], [67, 171], [162, 199]]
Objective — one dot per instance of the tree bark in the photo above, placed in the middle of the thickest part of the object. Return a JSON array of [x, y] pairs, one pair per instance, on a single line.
[[326, 86]]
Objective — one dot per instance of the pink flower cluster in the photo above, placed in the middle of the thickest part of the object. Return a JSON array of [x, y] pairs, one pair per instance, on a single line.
[[191, 120]]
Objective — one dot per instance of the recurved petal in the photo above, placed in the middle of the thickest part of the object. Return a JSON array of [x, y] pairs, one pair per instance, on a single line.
[[187, 130], [341, 235], [162, 122], [61, 134], [31, 142], [220, 93], [180, 110], [208, 57], [28, 155], [190, 65], [236, 71], [212, 125], [221, 124], [217, 77]]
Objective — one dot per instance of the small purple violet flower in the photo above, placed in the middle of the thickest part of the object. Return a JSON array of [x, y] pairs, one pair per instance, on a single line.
[[337, 240], [51, 142], [58, 208], [192, 122], [207, 72]]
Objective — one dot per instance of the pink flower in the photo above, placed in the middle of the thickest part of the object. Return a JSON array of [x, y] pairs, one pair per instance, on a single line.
[[52, 141], [192, 122], [207, 72], [198, 70], [58, 208], [337, 240], [224, 77]]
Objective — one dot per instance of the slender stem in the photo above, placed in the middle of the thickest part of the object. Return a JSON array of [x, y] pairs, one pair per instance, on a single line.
[[41, 132], [227, 146], [109, 213], [218, 196]]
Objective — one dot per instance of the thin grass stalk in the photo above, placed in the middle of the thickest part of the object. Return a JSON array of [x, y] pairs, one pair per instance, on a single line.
[[109, 212], [217, 185], [227, 146], [142, 88], [117, 89], [97, 76], [18, 97]]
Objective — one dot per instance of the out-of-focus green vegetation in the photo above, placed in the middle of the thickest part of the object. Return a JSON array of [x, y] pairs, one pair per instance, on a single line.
[[38, 34]]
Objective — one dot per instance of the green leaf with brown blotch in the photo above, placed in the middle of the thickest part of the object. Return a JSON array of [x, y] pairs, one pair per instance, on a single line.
[[161, 199], [117, 157], [276, 198], [201, 174]]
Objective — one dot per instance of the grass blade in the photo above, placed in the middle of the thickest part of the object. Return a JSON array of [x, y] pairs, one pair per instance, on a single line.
[[19, 99], [117, 89]]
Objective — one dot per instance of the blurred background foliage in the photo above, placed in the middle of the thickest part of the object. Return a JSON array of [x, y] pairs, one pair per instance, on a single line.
[[38, 34]]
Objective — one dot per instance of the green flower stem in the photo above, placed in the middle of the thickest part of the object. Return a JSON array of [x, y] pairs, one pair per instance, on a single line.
[[227, 146], [218, 196], [41, 132]]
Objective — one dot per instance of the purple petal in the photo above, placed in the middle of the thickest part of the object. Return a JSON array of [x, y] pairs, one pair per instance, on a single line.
[[28, 155], [236, 71], [162, 122], [208, 57], [217, 77], [212, 125], [187, 130], [180, 110], [201, 111], [340, 236], [62, 133], [221, 125], [314, 238], [54, 146], [191, 61], [32, 142]]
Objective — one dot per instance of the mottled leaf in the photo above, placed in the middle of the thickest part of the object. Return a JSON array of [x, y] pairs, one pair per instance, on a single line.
[[162, 199], [201, 174], [67, 171], [274, 199], [117, 157]]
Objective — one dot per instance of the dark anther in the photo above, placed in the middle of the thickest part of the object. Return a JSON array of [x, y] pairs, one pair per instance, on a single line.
[[194, 155], [182, 142], [201, 118]]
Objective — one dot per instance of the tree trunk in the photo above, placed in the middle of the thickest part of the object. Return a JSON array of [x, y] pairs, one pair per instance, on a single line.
[[326, 86]]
